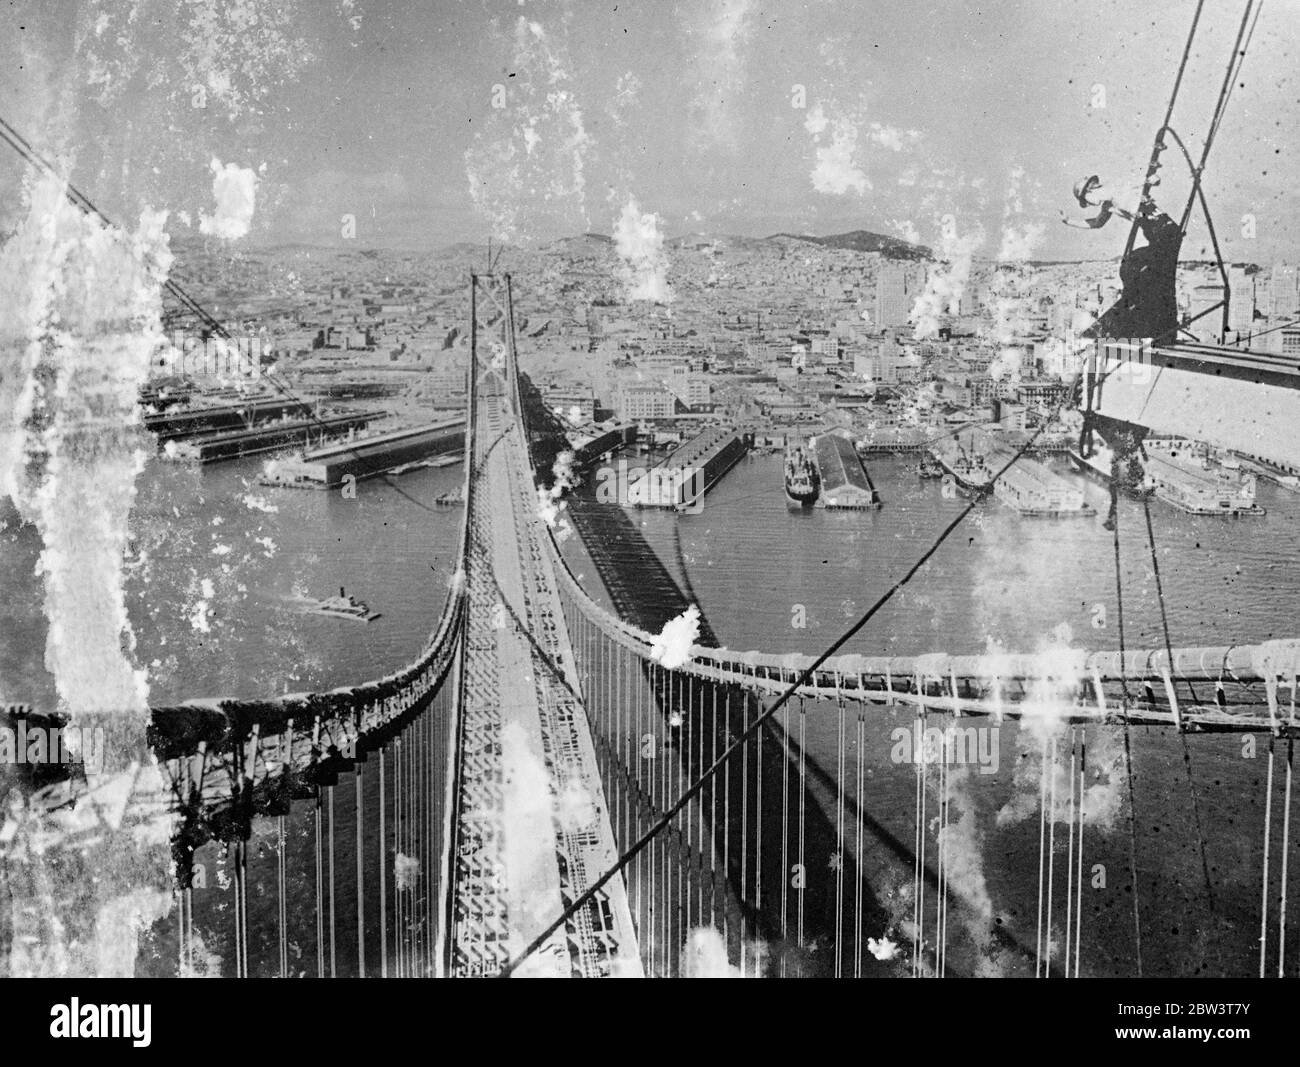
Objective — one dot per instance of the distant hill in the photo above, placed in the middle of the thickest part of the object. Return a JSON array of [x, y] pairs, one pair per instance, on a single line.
[[585, 244], [863, 241]]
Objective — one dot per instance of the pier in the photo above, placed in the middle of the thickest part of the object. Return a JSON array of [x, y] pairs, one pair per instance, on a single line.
[[845, 483], [589, 449], [1199, 486], [170, 426], [294, 432], [368, 456], [682, 478], [1034, 491]]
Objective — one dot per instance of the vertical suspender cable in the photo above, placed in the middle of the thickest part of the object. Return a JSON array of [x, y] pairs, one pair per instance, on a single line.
[[1051, 866], [923, 770], [320, 893], [1128, 748], [1187, 752], [1268, 838], [383, 872], [1286, 848], [1078, 896], [361, 884], [1069, 851], [280, 872], [839, 846], [744, 833], [333, 954], [857, 852], [785, 834], [803, 794], [1042, 855], [758, 842]]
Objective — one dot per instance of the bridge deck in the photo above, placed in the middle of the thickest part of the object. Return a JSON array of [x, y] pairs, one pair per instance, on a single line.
[[534, 827]]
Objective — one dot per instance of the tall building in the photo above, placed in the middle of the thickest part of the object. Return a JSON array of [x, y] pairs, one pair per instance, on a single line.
[[690, 388], [1207, 325], [641, 402], [1283, 291], [895, 294], [1241, 308], [877, 361]]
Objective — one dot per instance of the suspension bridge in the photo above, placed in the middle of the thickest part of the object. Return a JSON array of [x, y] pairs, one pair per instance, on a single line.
[[544, 792], [550, 790]]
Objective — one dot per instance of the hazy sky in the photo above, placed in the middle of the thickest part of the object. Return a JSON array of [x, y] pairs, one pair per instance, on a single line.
[[383, 110]]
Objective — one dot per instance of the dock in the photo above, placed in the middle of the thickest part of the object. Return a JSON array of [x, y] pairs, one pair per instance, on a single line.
[[365, 457], [591, 448], [1198, 486], [845, 483], [682, 478], [273, 436], [176, 425], [1036, 492]]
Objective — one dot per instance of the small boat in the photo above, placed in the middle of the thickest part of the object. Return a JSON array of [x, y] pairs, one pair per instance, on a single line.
[[342, 606], [929, 467], [450, 500]]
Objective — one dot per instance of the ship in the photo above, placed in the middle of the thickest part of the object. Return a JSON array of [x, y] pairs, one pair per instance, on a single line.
[[802, 479], [342, 606], [967, 467]]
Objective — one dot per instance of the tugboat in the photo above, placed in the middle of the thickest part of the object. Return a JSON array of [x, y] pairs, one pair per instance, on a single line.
[[342, 606], [929, 467], [802, 479]]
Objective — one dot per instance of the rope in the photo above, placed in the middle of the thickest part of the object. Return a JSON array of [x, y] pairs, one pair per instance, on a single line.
[[1158, 146], [1235, 61]]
